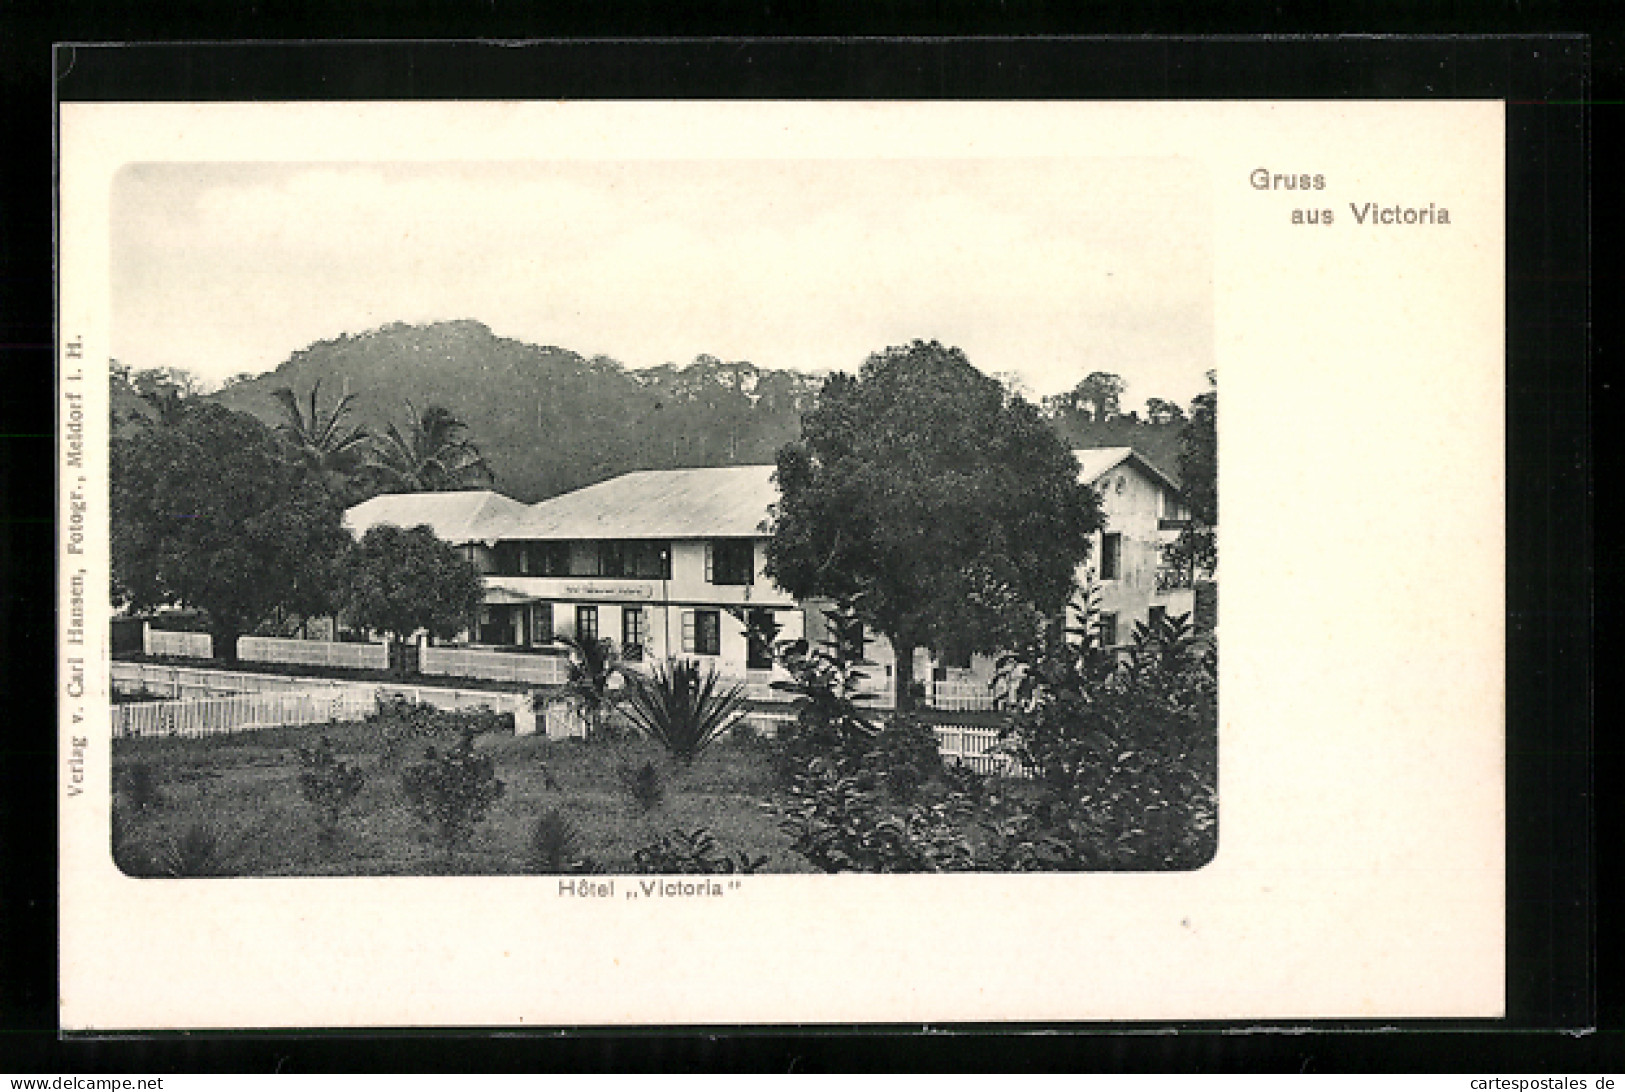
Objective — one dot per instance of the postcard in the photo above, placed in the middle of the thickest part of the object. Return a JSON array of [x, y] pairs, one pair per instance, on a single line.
[[704, 563]]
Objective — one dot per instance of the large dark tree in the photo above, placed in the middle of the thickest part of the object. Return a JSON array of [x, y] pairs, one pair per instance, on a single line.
[[942, 505], [400, 580], [211, 510], [1199, 475]]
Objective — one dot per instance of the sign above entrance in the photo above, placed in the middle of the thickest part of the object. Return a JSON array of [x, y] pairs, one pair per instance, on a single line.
[[600, 589]]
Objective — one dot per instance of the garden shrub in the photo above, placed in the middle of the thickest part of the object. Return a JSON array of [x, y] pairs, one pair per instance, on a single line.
[[140, 786], [837, 822], [1123, 755], [957, 777], [555, 845], [452, 791], [904, 755], [643, 782], [684, 853], [681, 708], [129, 854], [399, 723], [328, 784], [829, 723], [196, 852]]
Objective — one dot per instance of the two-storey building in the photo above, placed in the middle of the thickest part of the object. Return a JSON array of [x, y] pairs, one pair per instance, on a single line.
[[1145, 511], [664, 563], [670, 563]]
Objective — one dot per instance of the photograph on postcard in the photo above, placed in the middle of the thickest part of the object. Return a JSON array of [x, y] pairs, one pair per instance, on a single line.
[[775, 547], [398, 593]]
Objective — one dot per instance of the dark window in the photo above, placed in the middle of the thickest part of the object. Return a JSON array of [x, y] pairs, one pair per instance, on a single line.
[[702, 632], [541, 623], [850, 643], [586, 623], [730, 561], [1111, 556], [639, 559], [1159, 615], [1108, 630], [554, 559], [634, 632], [761, 630]]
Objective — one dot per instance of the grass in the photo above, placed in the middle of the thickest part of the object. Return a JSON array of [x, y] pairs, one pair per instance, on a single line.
[[246, 788]]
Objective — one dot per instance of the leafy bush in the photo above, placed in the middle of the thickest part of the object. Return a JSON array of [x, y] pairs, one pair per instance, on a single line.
[[683, 853], [400, 723], [129, 854], [829, 722], [328, 784], [643, 782], [958, 778], [555, 845], [905, 755], [140, 786], [680, 708], [452, 791], [839, 825], [198, 851], [1123, 752]]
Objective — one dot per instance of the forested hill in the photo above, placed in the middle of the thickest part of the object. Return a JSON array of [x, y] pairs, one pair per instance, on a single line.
[[547, 419], [550, 420]]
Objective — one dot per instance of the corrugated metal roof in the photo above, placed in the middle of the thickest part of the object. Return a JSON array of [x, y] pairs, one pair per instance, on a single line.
[[723, 501], [1095, 461], [464, 516]]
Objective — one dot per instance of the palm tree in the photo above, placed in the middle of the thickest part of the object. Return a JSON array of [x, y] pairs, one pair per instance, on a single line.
[[595, 670], [431, 455], [323, 440]]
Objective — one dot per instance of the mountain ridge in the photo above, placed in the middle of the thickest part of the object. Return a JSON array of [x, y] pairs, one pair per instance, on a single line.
[[550, 420]]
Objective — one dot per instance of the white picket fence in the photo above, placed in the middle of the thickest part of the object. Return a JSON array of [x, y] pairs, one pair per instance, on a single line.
[[278, 650], [973, 745], [190, 685], [959, 695], [170, 681], [471, 663], [240, 713], [164, 642]]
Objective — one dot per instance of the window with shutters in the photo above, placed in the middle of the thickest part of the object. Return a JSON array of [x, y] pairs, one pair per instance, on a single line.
[[702, 632]]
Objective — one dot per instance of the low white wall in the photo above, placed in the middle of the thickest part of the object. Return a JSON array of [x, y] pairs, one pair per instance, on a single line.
[[164, 642], [278, 650]]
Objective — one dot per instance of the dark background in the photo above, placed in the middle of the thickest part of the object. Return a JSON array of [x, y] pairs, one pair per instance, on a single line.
[[1562, 96]]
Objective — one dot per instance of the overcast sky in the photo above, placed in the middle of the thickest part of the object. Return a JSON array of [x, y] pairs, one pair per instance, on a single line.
[[1049, 269]]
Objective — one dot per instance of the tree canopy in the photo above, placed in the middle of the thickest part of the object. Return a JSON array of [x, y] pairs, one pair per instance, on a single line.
[[209, 510], [433, 453], [1199, 474], [400, 580], [323, 438], [938, 502]]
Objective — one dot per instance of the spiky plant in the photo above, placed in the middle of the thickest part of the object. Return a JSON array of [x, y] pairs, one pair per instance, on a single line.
[[681, 708]]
